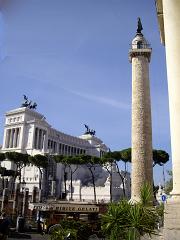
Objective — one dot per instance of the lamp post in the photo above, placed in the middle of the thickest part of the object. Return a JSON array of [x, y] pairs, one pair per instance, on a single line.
[[16, 200], [20, 219], [25, 202], [23, 185]]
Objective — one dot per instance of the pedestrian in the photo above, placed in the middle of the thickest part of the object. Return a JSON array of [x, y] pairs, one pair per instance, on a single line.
[[4, 226]]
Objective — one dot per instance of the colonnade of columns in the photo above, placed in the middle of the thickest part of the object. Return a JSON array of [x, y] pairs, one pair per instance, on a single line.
[[39, 142], [70, 150], [64, 149], [12, 138], [39, 139]]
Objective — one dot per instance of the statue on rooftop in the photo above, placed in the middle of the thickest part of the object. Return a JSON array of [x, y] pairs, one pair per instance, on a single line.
[[27, 103], [139, 27], [89, 131]]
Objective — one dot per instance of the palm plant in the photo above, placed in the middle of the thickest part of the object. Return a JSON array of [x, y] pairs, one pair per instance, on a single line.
[[146, 194], [114, 221], [129, 221]]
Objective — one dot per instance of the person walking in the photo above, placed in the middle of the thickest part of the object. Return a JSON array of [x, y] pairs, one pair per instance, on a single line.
[[4, 226]]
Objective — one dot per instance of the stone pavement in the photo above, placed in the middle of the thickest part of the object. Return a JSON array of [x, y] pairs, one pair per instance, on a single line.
[[155, 237], [33, 236]]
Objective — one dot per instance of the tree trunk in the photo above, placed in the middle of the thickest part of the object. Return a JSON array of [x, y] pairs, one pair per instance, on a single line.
[[94, 186], [40, 185], [65, 188], [110, 173], [72, 172], [65, 179], [71, 186], [122, 179]]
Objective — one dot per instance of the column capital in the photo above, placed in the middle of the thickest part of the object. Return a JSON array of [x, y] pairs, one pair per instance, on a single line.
[[140, 52]]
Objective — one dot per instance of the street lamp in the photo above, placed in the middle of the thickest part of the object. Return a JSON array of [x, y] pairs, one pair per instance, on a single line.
[[20, 219], [23, 185]]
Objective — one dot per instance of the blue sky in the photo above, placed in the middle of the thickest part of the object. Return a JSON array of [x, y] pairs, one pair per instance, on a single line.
[[71, 57]]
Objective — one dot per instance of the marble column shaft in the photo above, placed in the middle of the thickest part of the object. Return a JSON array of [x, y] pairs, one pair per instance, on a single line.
[[171, 10], [141, 126]]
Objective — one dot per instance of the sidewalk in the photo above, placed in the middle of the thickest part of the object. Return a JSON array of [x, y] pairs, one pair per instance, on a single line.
[[32, 236]]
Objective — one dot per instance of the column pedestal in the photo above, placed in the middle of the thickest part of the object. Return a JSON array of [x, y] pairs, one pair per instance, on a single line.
[[172, 219]]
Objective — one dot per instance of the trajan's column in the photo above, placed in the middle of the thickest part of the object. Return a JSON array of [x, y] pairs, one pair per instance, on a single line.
[[139, 56], [168, 12]]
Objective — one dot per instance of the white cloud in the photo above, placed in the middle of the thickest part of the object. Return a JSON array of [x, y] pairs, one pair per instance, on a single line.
[[102, 100]]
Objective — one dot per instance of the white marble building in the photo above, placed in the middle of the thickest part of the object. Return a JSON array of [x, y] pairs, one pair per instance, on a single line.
[[27, 131], [86, 193]]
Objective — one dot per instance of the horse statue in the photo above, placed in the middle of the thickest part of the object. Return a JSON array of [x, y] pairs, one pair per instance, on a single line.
[[89, 131], [28, 103]]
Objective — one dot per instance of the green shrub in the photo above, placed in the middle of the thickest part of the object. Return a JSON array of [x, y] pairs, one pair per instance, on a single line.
[[59, 233], [83, 230], [128, 221]]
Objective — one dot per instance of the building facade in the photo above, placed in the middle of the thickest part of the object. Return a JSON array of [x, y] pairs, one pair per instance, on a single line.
[[27, 131], [168, 13]]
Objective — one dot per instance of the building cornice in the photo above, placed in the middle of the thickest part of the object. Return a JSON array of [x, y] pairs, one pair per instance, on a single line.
[[68, 138], [10, 125], [140, 52], [24, 110]]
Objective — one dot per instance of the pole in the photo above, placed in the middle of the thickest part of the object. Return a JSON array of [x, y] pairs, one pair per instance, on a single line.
[[15, 201], [25, 202], [4, 204]]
